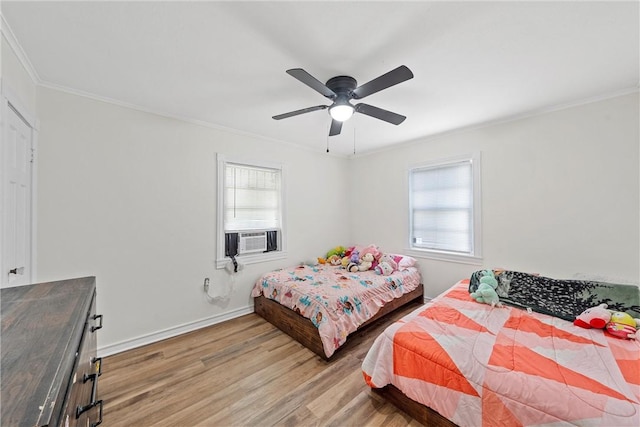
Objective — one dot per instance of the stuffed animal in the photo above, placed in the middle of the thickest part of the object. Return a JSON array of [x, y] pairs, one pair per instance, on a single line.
[[384, 269], [486, 292], [386, 265], [355, 256], [366, 261], [334, 260], [352, 267], [622, 325], [594, 317], [373, 250], [338, 251]]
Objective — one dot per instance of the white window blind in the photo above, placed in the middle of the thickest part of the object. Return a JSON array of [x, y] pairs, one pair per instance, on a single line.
[[442, 207], [252, 198]]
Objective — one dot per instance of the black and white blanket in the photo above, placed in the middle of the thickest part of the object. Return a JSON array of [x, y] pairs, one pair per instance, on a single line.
[[561, 298]]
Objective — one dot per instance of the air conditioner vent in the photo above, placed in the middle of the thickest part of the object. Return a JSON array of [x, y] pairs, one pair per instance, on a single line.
[[252, 242]]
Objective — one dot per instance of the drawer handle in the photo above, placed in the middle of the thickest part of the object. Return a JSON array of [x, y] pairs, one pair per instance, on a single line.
[[99, 402], [94, 391], [96, 317]]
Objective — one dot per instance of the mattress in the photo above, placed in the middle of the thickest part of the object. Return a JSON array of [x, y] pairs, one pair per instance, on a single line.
[[336, 301], [498, 366]]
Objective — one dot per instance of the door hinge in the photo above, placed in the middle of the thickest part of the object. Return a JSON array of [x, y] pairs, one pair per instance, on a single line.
[[33, 154]]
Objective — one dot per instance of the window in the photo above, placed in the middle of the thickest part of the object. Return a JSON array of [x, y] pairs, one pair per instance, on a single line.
[[250, 211], [444, 200]]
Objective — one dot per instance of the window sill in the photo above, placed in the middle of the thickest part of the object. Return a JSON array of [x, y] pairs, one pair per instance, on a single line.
[[252, 258], [444, 256]]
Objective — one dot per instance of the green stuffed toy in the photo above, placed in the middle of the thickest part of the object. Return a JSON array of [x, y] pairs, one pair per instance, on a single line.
[[486, 292], [338, 250]]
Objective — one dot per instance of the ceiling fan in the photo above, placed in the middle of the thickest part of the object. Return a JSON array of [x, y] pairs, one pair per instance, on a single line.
[[342, 89]]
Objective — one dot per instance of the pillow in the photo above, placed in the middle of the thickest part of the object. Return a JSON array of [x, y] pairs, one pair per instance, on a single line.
[[403, 261]]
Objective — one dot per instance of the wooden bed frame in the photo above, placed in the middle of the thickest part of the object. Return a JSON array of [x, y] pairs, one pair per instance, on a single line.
[[418, 411], [302, 330]]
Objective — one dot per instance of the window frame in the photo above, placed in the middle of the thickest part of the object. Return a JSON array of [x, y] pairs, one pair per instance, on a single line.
[[221, 259], [475, 256]]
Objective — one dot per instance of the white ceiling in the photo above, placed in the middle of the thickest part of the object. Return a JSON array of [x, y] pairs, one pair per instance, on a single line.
[[223, 63]]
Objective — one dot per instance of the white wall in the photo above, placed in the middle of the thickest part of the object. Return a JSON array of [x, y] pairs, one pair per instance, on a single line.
[[16, 79], [130, 197], [560, 193]]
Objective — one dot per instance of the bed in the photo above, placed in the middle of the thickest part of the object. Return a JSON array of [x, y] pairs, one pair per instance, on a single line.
[[458, 362], [320, 305]]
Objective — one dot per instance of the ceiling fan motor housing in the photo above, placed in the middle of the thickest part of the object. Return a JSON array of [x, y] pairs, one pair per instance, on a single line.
[[342, 85]]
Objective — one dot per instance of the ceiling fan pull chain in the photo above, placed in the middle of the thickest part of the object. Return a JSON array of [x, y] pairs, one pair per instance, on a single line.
[[354, 140]]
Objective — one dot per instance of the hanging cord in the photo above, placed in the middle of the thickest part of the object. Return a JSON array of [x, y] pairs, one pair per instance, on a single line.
[[220, 297], [327, 133], [354, 140]]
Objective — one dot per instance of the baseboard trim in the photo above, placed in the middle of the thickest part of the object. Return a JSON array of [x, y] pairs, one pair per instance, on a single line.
[[132, 343]]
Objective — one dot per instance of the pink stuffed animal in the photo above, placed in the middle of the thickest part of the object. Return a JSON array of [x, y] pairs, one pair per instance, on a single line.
[[386, 266], [594, 317], [374, 251]]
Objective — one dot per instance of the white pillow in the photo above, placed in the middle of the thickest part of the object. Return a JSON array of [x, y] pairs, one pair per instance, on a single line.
[[404, 261]]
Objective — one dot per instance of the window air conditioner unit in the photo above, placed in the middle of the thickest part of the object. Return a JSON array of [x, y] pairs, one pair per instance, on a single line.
[[252, 242]]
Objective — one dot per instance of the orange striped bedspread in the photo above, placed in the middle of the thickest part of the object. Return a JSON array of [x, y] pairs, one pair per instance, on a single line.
[[483, 366]]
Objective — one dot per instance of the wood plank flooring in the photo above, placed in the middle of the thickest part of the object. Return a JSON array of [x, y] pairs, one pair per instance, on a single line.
[[245, 372]]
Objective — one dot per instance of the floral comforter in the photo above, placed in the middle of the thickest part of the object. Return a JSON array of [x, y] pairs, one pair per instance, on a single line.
[[483, 366], [335, 300]]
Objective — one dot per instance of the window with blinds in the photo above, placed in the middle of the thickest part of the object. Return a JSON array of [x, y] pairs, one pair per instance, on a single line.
[[444, 207], [251, 210], [252, 198]]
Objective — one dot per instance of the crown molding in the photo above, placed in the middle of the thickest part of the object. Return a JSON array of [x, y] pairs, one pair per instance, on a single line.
[[11, 39], [511, 118], [172, 116]]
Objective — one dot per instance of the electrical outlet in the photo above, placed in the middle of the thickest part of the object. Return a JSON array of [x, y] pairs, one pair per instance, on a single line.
[[206, 284]]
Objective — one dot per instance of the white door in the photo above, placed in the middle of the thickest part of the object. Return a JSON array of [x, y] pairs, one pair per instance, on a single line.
[[17, 157]]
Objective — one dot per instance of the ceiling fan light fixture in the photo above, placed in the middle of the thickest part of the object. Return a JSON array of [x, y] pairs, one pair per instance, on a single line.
[[341, 112]]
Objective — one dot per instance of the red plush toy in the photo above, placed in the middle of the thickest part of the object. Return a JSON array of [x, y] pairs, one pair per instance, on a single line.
[[594, 317]]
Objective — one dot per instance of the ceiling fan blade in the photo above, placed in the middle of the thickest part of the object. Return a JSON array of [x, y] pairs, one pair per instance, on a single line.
[[336, 127], [393, 77], [297, 112], [379, 113], [312, 82]]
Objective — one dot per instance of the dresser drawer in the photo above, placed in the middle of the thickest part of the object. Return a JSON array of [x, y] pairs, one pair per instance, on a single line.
[[82, 405]]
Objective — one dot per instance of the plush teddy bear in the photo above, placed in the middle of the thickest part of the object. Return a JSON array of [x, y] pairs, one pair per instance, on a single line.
[[594, 317], [366, 261], [373, 250], [486, 292], [386, 265]]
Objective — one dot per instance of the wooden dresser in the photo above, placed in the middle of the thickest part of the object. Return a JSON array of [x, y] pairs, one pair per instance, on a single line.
[[49, 370]]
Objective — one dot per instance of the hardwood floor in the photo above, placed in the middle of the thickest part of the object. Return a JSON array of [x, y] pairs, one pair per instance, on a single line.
[[245, 372]]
